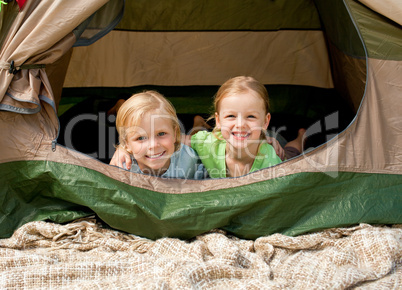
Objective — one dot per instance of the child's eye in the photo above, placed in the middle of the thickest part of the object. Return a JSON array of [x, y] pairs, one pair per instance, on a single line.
[[160, 134], [141, 138], [230, 116], [251, 116]]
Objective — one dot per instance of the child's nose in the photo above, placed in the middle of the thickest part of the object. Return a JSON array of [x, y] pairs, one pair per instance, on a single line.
[[153, 142], [239, 121]]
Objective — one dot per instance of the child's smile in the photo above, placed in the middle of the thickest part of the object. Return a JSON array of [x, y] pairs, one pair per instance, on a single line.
[[241, 136], [156, 156]]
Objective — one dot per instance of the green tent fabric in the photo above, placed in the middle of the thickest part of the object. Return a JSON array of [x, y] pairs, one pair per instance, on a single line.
[[248, 211], [354, 177]]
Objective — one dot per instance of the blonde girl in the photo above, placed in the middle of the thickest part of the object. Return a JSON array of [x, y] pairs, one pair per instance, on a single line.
[[149, 137]]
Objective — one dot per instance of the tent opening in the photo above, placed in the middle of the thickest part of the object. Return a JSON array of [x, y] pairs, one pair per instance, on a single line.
[[86, 126], [300, 58]]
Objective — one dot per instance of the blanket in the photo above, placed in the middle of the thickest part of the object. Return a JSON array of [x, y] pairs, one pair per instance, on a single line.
[[88, 255]]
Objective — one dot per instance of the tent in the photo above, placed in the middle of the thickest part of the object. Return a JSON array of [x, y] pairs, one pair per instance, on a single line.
[[351, 48]]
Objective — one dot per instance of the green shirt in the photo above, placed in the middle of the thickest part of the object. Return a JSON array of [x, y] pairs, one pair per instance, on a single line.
[[212, 152]]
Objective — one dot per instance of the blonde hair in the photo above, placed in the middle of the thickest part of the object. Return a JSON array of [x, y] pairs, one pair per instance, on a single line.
[[133, 110], [240, 85]]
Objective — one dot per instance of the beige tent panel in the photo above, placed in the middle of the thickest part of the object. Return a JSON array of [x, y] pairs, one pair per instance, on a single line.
[[124, 59], [389, 8], [370, 144], [379, 120]]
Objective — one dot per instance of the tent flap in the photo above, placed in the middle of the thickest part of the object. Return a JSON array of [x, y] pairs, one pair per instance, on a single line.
[[291, 205]]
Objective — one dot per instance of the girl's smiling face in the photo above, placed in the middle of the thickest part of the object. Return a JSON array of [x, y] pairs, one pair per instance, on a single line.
[[242, 118], [152, 142]]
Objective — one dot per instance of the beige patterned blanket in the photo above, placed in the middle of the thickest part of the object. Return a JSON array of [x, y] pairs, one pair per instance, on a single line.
[[83, 255]]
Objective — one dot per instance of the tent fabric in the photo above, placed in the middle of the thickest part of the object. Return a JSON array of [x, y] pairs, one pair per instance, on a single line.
[[382, 36], [196, 43], [225, 15], [389, 8], [83, 254], [264, 202], [201, 58]]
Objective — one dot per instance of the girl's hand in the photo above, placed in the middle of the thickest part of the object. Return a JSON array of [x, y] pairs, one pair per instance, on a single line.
[[121, 156], [278, 148]]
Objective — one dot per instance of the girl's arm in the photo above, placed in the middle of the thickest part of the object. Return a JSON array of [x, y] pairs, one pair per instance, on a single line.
[[121, 156], [278, 148], [186, 139]]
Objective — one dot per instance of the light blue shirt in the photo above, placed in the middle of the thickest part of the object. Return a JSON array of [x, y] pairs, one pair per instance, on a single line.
[[184, 164]]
